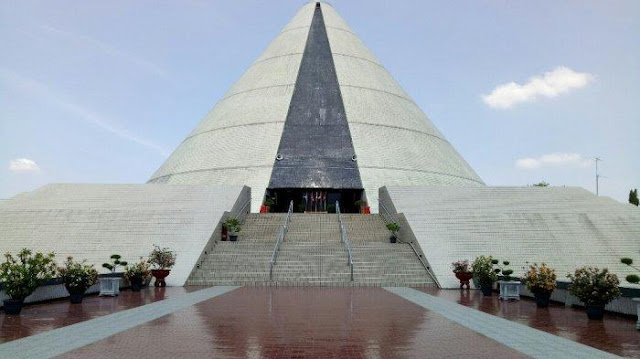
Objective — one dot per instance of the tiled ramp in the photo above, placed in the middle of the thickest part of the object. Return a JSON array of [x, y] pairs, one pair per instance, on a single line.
[[526, 340]]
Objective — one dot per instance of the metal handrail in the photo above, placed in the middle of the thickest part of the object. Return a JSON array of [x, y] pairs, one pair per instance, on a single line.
[[389, 217], [282, 232], [345, 240]]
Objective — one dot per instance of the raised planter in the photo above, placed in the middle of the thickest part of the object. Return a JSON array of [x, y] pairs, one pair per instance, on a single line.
[[637, 300], [160, 275], [509, 290], [464, 278], [109, 286]]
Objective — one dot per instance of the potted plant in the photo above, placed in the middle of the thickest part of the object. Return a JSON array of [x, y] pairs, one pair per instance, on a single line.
[[483, 271], [233, 227], [77, 278], [110, 284], [362, 206], [541, 281], [21, 275], [137, 273], [462, 270], [163, 259], [595, 288], [509, 286], [394, 228], [266, 204], [633, 279]]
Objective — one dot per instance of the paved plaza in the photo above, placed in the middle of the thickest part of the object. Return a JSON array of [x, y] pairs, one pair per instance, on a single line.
[[271, 322]]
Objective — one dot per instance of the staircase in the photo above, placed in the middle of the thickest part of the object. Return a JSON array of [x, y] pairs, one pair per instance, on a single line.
[[312, 254]]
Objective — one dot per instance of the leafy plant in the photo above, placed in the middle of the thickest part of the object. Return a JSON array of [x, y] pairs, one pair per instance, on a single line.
[[631, 278], [78, 275], [461, 266], [139, 270], [541, 184], [115, 262], [163, 258], [360, 203], [21, 275], [540, 278], [633, 197], [233, 224], [268, 201], [393, 227], [594, 286], [483, 271], [503, 269]]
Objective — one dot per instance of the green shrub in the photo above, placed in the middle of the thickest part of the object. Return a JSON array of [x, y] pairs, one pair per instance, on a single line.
[[78, 275], [22, 275], [594, 286]]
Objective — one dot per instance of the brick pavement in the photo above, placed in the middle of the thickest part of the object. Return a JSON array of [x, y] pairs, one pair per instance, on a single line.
[[614, 334]]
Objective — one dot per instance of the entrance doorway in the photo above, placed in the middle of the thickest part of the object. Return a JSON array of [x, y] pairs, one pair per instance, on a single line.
[[315, 200]]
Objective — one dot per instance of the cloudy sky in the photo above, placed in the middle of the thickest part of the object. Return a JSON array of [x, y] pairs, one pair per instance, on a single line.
[[526, 91]]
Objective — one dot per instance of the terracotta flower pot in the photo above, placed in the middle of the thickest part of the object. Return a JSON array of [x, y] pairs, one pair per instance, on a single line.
[[464, 278], [160, 275]]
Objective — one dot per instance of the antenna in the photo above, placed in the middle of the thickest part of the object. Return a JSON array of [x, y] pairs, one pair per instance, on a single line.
[[597, 176]]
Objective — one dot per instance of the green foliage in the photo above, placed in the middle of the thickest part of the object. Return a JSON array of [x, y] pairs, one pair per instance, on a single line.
[[78, 275], [233, 224], [541, 184], [540, 278], [631, 278], [268, 201], [393, 227], [139, 270], [22, 275], [483, 271], [115, 262], [633, 197], [162, 258], [594, 286], [360, 203]]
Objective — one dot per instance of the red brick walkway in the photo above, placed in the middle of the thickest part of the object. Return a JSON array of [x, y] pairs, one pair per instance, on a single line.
[[615, 334], [37, 318], [300, 322]]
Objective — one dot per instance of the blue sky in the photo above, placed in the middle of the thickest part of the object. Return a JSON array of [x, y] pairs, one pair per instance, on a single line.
[[526, 91]]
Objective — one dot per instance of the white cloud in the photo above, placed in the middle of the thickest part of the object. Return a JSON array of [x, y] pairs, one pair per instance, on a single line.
[[23, 165], [553, 160], [550, 84], [42, 92]]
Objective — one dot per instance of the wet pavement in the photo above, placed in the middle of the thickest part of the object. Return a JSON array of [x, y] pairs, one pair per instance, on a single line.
[[314, 322], [615, 333]]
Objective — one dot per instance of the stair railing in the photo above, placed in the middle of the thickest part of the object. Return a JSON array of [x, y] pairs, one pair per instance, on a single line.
[[345, 240], [280, 235], [390, 217]]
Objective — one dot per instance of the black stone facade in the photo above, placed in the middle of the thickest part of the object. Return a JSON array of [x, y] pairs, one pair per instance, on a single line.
[[316, 150]]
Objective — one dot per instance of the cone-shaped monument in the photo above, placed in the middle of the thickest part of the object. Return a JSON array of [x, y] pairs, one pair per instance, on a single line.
[[316, 117]]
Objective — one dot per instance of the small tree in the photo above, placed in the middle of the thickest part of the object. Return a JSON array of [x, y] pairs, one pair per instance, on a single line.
[[115, 262], [633, 197], [541, 184]]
